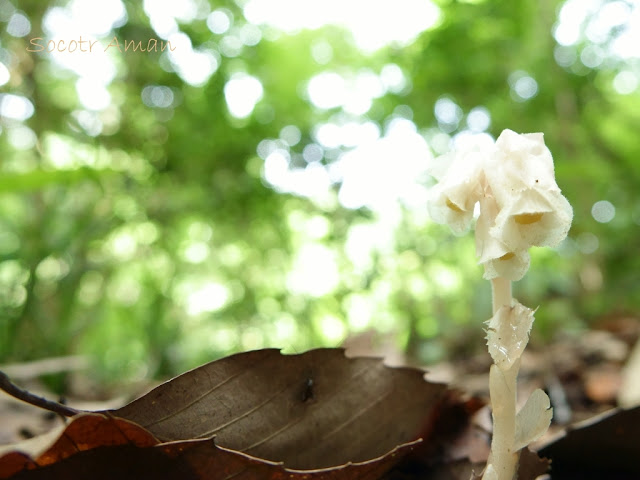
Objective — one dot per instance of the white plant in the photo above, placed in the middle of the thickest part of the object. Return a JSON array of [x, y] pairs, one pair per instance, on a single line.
[[520, 206]]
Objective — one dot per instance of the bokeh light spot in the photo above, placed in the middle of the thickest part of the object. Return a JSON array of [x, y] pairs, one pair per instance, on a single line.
[[478, 119], [15, 107], [603, 211], [373, 25], [231, 46], [587, 242], [523, 86], [19, 25], [4, 74], [592, 56], [209, 297], [242, 92], [219, 21], [315, 271], [321, 52], [291, 135], [625, 82], [327, 90], [448, 114], [21, 137], [250, 35], [92, 95], [312, 153], [157, 96], [393, 78]]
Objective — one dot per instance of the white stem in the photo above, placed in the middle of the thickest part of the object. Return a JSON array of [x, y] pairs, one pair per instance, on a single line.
[[502, 389], [501, 290]]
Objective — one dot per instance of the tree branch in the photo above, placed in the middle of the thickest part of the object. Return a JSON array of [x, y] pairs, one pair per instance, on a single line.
[[30, 398]]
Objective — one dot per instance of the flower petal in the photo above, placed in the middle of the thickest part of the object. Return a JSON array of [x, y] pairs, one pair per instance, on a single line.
[[519, 162], [445, 207], [512, 266], [453, 199], [498, 259], [521, 177], [534, 218]]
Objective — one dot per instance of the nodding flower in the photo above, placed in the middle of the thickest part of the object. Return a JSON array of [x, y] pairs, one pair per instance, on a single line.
[[533, 211], [520, 203], [459, 188]]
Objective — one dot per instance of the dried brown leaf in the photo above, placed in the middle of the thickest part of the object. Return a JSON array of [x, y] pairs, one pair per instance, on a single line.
[[607, 446], [107, 448], [86, 432], [315, 410], [314, 416], [531, 465]]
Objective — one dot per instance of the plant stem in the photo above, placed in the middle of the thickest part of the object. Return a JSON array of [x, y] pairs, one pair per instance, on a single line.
[[502, 389], [501, 291]]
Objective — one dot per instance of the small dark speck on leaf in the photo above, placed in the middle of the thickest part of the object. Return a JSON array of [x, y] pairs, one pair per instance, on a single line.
[[26, 433], [307, 393]]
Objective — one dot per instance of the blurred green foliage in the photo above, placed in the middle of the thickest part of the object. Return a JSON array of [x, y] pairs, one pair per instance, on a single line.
[[147, 233]]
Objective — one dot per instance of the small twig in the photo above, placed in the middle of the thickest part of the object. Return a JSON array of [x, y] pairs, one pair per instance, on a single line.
[[30, 398]]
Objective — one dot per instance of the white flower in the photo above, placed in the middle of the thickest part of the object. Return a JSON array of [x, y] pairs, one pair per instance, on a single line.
[[459, 175], [495, 255], [535, 217], [520, 203], [512, 266], [533, 211]]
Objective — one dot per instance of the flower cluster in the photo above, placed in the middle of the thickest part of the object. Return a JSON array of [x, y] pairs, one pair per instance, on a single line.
[[520, 203]]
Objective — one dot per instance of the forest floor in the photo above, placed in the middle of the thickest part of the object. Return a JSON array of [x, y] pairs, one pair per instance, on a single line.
[[584, 377]]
